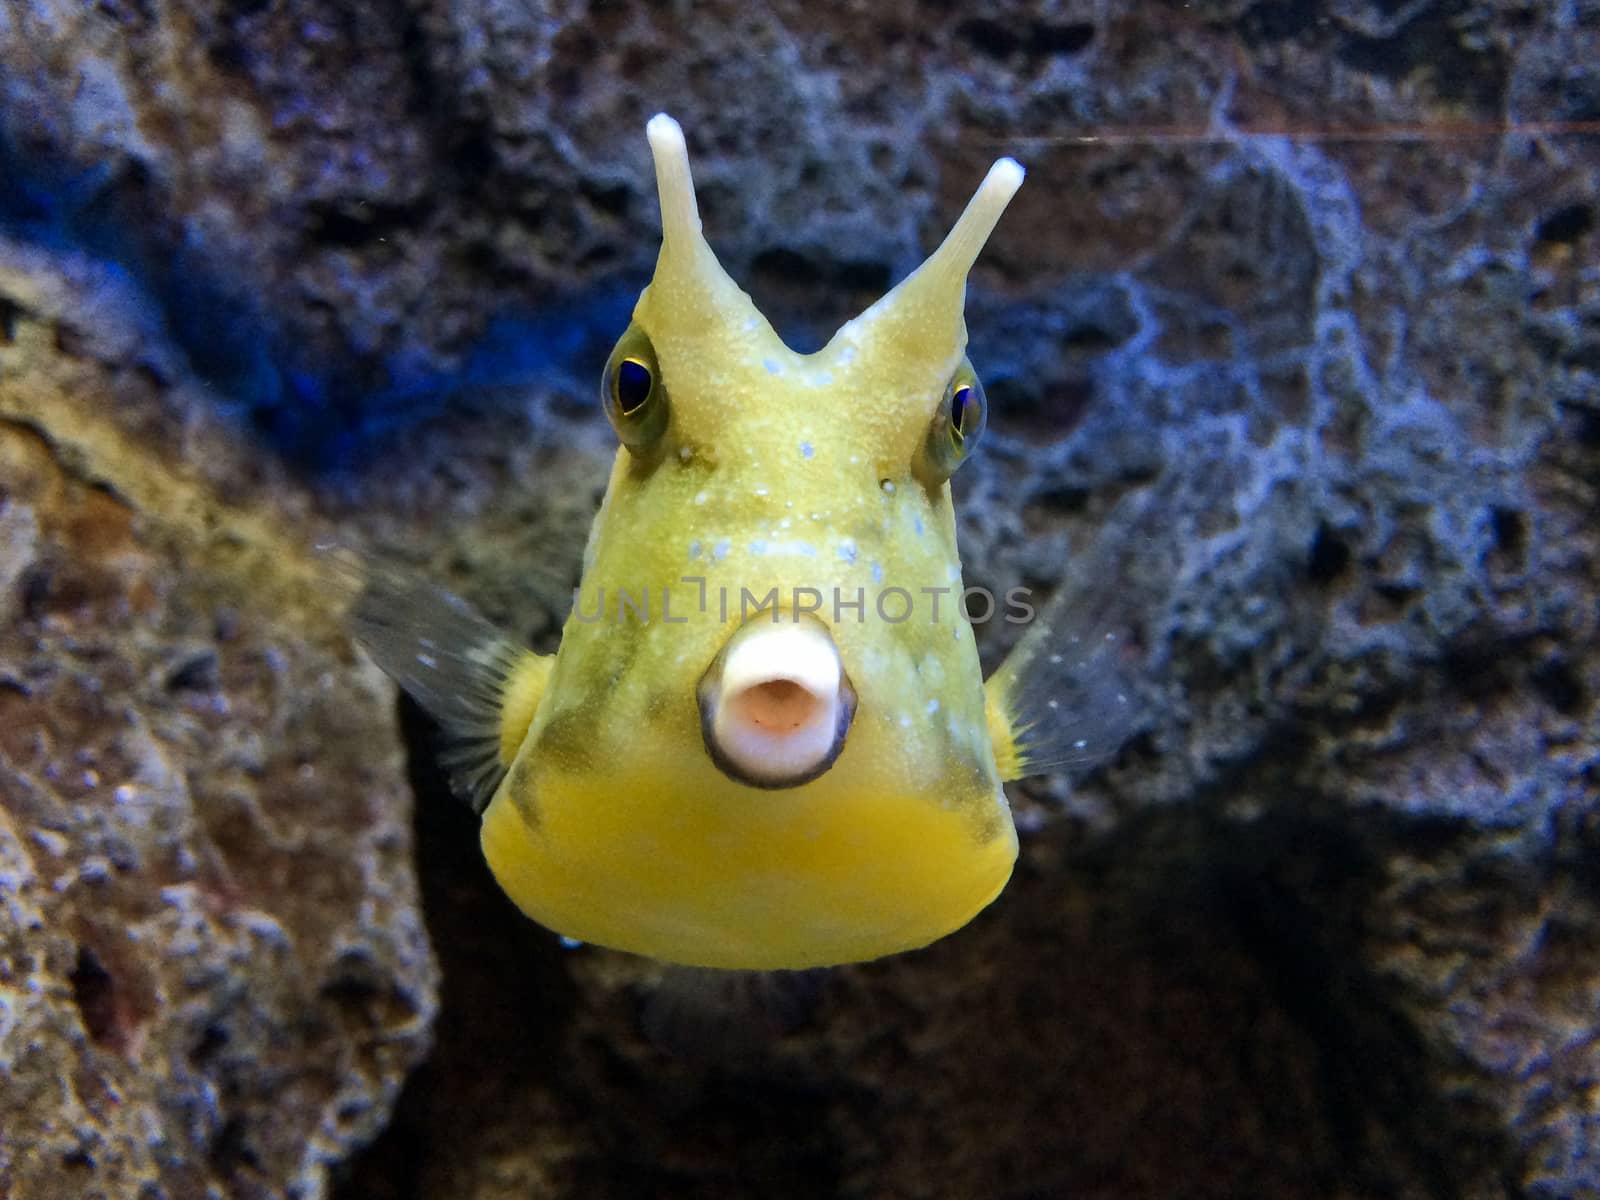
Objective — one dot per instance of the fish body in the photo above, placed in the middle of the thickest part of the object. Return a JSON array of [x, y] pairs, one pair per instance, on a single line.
[[765, 740]]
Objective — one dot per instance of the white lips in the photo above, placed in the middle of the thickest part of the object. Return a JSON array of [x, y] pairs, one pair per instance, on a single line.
[[777, 705]]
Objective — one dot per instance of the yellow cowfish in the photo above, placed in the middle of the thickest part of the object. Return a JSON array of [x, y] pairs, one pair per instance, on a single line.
[[765, 740]]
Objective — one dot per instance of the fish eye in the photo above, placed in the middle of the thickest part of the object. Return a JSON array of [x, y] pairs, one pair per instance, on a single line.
[[631, 390], [632, 385], [957, 426]]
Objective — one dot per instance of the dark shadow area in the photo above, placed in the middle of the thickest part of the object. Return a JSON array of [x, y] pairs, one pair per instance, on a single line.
[[505, 997], [1433, 45], [1293, 891]]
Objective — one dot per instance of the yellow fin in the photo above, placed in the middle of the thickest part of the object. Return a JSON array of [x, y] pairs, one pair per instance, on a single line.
[[476, 681], [520, 696], [998, 715]]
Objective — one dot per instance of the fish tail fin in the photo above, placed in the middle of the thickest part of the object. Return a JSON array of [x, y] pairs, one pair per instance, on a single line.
[[481, 685]]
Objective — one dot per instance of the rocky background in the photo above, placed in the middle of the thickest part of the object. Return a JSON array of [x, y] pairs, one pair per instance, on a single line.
[[1293, 345]]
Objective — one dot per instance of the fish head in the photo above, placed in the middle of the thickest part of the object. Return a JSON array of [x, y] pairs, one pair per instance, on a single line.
[[763, 741]]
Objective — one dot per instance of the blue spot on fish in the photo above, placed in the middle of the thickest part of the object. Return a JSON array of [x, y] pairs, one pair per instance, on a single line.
[[807, 450], [694, 549], [916, 523], [720, 550], [758, 547], [772, 366], [847, 551], [877, 573]]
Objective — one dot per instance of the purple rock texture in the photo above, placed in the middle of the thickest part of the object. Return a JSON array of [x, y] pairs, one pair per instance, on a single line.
[[1292, 339]]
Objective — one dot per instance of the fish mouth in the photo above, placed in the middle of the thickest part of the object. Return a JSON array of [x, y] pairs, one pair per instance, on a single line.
[[776, 704]]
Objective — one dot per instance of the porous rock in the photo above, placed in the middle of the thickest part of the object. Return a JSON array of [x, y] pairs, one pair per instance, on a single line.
[[214, 975], [1291, 340]]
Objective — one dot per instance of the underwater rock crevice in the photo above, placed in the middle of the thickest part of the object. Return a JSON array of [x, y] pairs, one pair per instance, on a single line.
[[1299, 889]]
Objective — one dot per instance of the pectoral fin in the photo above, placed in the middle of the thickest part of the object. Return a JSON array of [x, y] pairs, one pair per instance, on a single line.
[[1058, 701], [1065, 697], [480, 684]]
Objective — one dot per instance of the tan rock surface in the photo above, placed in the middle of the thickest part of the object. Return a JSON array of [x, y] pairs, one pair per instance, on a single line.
[[213, 971]]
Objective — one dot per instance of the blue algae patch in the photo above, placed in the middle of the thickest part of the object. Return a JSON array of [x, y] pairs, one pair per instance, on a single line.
[[105, 213], [556, 346], [560, 344], [321, 408]]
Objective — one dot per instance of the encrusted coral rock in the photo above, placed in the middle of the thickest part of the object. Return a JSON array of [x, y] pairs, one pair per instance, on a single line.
[[213, 971], [1291, 343]]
